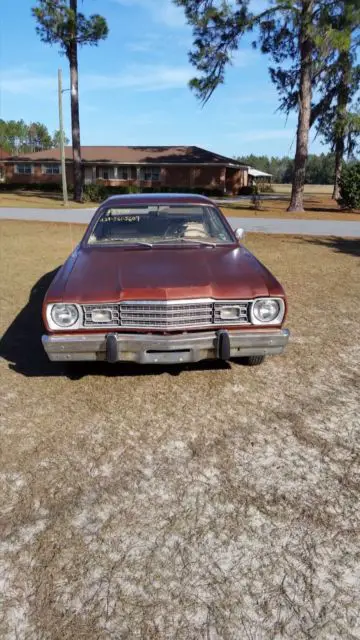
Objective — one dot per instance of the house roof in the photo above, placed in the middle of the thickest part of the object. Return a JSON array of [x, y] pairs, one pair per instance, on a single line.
[[255, 173], [3, 154], [135, 155]]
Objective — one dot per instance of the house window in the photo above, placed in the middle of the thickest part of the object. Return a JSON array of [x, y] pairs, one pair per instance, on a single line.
[[123, 173], [51, 169], [23, 168], [106, 173], [150, 173]]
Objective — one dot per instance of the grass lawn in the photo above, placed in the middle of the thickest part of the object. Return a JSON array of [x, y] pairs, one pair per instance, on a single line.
[[38, 200], [319, 205], [207, 501], [310, 189]]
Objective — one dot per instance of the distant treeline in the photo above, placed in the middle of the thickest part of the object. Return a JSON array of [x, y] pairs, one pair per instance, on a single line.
[[320, 169], [17, 136]]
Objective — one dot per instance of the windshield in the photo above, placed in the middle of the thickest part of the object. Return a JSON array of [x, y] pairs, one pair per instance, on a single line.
[[180, 224]]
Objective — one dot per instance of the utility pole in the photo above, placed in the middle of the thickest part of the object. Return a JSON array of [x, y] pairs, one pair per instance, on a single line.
[[62, 148]]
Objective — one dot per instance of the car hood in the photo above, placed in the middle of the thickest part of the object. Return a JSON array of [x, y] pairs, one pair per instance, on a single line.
[[113, 274]]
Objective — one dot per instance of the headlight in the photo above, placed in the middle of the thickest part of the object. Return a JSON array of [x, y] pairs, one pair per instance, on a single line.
[[64, 315], [267, 311]]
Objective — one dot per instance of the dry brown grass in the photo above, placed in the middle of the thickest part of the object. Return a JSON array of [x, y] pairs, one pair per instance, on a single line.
[[318, 204], [317, 207], [38, 200], [310, 189], [205, 502]]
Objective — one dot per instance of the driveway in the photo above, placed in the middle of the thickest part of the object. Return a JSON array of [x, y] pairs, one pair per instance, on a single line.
[[261, 225]]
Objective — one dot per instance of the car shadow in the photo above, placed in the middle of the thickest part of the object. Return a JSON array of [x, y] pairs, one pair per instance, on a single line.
[[21, 347]]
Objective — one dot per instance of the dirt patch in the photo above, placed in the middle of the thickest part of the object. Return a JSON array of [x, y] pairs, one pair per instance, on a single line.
[[204, 502]]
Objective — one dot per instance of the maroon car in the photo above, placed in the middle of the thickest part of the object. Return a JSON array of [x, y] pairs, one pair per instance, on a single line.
[[163, 279]]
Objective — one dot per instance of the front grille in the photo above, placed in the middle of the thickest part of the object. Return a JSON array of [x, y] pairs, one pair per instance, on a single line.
[[161, 315], [164, 315]]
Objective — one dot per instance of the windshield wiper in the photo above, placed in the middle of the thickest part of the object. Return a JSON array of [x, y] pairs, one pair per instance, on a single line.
[[148, 245], [186, 241]]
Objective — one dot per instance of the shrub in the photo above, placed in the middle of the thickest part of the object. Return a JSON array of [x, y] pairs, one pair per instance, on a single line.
[[94, 192], [255, 197], [350, 186], [265, 188], [49, 187], [246, 191], [99, 192]]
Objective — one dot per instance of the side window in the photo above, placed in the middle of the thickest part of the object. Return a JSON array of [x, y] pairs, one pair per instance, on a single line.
[[23, 168]]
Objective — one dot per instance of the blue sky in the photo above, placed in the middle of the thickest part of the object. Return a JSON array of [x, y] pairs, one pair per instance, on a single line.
[[133, 86]]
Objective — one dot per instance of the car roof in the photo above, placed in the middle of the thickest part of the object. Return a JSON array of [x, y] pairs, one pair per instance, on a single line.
[[157, 198]]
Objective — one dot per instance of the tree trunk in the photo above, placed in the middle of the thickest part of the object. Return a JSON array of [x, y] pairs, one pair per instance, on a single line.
[[305, 94], [75, 118], [339, 153], [341, 117]]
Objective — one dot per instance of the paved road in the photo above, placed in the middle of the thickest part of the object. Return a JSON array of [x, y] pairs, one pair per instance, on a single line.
[[262, 225], [47, 215], [346, 229]]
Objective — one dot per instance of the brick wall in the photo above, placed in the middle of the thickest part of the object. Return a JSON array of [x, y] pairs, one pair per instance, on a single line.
[[235, 179], [36, 177], [174, 177]]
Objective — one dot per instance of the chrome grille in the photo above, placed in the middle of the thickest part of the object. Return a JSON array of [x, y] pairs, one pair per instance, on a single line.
[[162, 315], [243, 312], [165, 315], [113, 308]]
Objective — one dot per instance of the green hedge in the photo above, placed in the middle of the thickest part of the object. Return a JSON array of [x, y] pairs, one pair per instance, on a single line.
[[99, 192], [246, 191], [256, 188], [350, 186], [50, 187]]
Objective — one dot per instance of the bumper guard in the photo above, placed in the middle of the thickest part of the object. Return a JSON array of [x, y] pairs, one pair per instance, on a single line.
[[165, 349]]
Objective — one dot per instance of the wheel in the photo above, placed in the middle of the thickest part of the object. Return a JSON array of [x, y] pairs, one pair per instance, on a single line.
[[254, 361], [251, 361]]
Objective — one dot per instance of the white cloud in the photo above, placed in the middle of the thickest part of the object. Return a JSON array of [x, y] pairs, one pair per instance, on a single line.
[[140, 78], [162, 11], [136, 78], [160, 43], [23, 81], [245, 57]]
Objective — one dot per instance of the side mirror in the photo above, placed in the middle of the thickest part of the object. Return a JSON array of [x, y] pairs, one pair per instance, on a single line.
[[240, 234]]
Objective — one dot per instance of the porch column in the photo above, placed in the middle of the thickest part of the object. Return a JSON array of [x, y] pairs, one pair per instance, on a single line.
[[163, 174], [223, 179]]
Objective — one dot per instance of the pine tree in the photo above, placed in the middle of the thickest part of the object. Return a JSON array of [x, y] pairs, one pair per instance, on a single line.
[[339, 124], [60, 22], [299, 37]]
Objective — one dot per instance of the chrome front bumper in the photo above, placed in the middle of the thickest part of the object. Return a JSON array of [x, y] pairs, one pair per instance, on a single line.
[[168, 349]]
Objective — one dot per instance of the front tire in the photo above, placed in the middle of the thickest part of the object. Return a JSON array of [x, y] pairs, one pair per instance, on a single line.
[[254, 361]]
